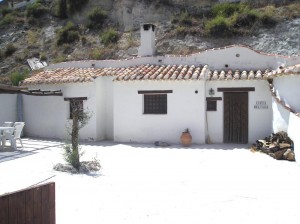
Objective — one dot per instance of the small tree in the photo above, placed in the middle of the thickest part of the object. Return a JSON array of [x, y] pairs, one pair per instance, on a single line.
[[79, 119]]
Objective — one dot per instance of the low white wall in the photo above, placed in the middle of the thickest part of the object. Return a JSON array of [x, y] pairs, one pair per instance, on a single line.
[[235, 57], [281, 117], [286, 121], [8, 108], [260, 120], [294, 133], [47, 116], [287, 89], [186, 109]]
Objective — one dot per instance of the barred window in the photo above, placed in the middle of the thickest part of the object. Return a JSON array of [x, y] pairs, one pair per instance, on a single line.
[[155, 104], [73, 105], [211, 105]]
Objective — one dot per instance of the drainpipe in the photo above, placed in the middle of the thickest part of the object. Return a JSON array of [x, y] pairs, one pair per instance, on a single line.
[[207, 138]]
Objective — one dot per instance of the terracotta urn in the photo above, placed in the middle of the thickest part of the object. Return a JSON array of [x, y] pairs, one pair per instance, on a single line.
[[186, 138]]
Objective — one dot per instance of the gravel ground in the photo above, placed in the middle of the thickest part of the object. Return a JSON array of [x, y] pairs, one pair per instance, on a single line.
[[141, 183]]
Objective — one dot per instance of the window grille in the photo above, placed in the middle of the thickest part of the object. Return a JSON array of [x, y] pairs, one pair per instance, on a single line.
[[155, 104]]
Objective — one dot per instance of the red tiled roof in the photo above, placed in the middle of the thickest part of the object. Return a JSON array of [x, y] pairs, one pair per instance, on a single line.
[[141, 72], [291, 70], [150, 72], [162, 72], [236, 75], [69, 75]]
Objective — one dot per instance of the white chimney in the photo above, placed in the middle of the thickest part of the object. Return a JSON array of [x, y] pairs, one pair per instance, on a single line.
[[147, 47]]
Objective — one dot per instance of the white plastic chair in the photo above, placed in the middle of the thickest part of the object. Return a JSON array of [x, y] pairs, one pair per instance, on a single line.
[[8, 124], [14, 135]]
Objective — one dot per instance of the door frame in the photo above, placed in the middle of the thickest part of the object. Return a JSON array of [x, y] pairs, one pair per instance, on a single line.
[[236, 90]]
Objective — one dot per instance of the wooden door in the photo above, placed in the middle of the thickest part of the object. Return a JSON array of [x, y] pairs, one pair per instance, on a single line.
[[236, 117]]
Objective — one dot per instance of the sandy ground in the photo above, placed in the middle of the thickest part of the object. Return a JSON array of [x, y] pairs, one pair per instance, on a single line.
[[146, 184]]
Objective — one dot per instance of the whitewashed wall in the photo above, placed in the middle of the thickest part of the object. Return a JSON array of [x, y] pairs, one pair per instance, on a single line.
[[260, 120], [186, 109], [294, 133], [288, 89], [235, 57], [283, 120], [8, 108], [47, 116], [281, 117], [104, 108]]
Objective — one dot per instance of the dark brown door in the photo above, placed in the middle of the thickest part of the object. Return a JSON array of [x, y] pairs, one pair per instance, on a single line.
[[236, 117]]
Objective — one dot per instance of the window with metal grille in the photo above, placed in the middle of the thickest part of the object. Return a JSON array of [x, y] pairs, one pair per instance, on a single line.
[[73, 105], [155, 104], [211, 105]]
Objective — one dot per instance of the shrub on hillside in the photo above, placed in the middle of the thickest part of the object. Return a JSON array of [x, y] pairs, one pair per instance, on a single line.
[[96, 18], [67, 34], [10, 49], [109, 36], [227, 9], [7, 19], [219, 26], [36, 10], [246, 19], [17, 77], [5, 11]]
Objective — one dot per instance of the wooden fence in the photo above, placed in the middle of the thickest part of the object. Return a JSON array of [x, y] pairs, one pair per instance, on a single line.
[[34, 205]]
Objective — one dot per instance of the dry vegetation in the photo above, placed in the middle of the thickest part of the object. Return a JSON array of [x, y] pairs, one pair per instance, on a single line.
[[27, 31]]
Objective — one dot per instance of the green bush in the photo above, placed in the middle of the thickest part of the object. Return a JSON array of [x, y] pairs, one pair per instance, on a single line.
[[219, 26], [10, 49], [95, 54], [246, 19], [36, 10], [7, 19], [185, 18], [67, 34], [17, 77], [43, 56], [96, 18], [227, 9], [237, 18], [109, 36], [71, 156], [5, 11]]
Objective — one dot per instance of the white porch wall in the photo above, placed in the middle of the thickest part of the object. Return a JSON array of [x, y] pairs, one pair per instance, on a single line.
[[8, 105], [47, 116], [294, 133], [288, 122], [280, 117], [287, 89], [260, 120], [104, 108], [186, 109]]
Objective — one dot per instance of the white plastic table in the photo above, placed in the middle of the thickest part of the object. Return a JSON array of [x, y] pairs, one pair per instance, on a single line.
[[2, 130]]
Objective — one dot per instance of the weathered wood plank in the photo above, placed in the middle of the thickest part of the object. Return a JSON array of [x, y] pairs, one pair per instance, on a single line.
[[37, 205]]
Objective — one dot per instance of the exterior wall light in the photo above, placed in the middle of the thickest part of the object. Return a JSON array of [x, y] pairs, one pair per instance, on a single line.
[[211, 92]]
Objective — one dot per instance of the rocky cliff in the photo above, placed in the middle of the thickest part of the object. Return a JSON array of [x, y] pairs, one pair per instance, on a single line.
[[38, 38]]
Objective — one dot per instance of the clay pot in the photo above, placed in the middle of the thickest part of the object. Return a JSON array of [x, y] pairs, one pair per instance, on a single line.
[[186, 138]]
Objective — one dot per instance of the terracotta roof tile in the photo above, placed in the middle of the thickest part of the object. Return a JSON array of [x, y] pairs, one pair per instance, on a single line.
[[291, 70], [236, 75], [151, 72], [162, 72], [69, 75]]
